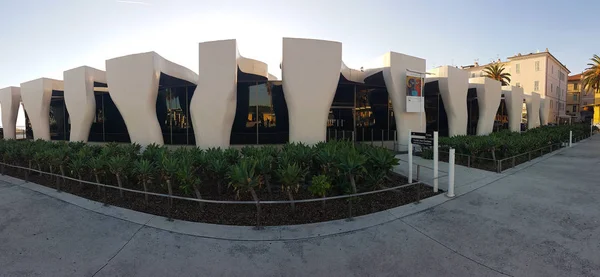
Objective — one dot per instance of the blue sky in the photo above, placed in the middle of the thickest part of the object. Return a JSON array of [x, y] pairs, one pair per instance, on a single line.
[[42, 38]]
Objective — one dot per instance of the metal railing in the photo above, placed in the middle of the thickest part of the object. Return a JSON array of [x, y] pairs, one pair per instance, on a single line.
[[170, 196], [500, 165], [383, 138]]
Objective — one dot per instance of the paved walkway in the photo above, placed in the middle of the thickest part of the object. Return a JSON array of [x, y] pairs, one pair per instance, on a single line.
[[539, 219]]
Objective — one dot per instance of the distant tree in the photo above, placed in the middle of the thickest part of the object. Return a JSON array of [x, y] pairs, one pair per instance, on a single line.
[[591, 76], [496, 71]]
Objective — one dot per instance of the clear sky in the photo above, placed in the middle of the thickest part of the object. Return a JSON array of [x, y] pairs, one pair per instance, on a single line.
[[42, 38]]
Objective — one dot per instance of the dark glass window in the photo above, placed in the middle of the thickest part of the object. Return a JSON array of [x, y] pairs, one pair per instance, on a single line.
[[435, 113], [59, 117], [340, 122], [372, 113], [172, 110], [28, 129], [501, 121], [261, 114], [472, 111], [108, 124], [243, 130]]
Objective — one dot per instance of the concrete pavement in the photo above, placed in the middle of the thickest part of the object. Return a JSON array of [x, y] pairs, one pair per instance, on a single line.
[[539, 219]]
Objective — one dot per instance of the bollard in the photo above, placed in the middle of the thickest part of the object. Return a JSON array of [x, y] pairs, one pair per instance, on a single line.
[[343, 135], [570, 138], [395, 141], [335, 134], [451, 173], [382, 138], [371, 136], [435, 161], [410, 158]]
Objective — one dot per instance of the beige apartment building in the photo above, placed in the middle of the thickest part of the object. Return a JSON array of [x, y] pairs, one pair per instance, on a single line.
[[588, 107], [539, 72]]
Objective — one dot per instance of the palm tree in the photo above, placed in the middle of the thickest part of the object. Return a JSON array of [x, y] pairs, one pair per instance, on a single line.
[[591, 76], [496, 71]]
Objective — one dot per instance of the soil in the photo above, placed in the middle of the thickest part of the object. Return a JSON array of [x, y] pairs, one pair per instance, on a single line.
[[239, 214]]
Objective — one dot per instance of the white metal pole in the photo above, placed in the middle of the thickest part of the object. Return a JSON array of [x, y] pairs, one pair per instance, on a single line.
[[435, 162], [570, 138], [451, 173], [410, 157]]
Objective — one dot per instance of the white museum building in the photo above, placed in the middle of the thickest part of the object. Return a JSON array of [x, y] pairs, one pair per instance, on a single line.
[[232, 100]]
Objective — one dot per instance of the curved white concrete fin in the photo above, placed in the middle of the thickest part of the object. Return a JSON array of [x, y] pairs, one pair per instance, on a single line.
[[36, 96], [310, 74], [395, 66], [10, 98], [80, 100], [454, 87], [133, 86], [489, 94], [213, 105], [352, 74], [513, 96], [533, 110], [544, 110]]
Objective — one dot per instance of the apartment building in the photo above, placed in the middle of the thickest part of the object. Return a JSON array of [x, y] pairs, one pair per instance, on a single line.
[[588, 108], [539, 72], [574, 97]]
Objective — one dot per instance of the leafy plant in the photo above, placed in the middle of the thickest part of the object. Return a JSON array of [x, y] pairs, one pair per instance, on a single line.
[[264, 167], [188, 180], [351, 163], [320, 186], [77, 166], [169, 166], [217, 167], [243, 178], [144, 169], [290, 175], [98, 166], [117, 166]]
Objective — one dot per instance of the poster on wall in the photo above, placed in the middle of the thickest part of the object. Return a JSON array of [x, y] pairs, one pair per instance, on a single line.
[[414, 93]]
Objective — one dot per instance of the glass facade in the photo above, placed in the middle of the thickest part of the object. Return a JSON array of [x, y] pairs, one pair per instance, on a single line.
[[360, 111]]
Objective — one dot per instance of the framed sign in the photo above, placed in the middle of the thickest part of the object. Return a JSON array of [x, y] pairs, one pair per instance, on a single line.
[[423, 139], [414, 93]]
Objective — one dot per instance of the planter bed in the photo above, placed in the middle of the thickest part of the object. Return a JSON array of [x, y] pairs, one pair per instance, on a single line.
[[241, 214]]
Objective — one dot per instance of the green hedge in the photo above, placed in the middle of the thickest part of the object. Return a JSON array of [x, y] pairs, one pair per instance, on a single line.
[[325, 169], [505, 144]]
